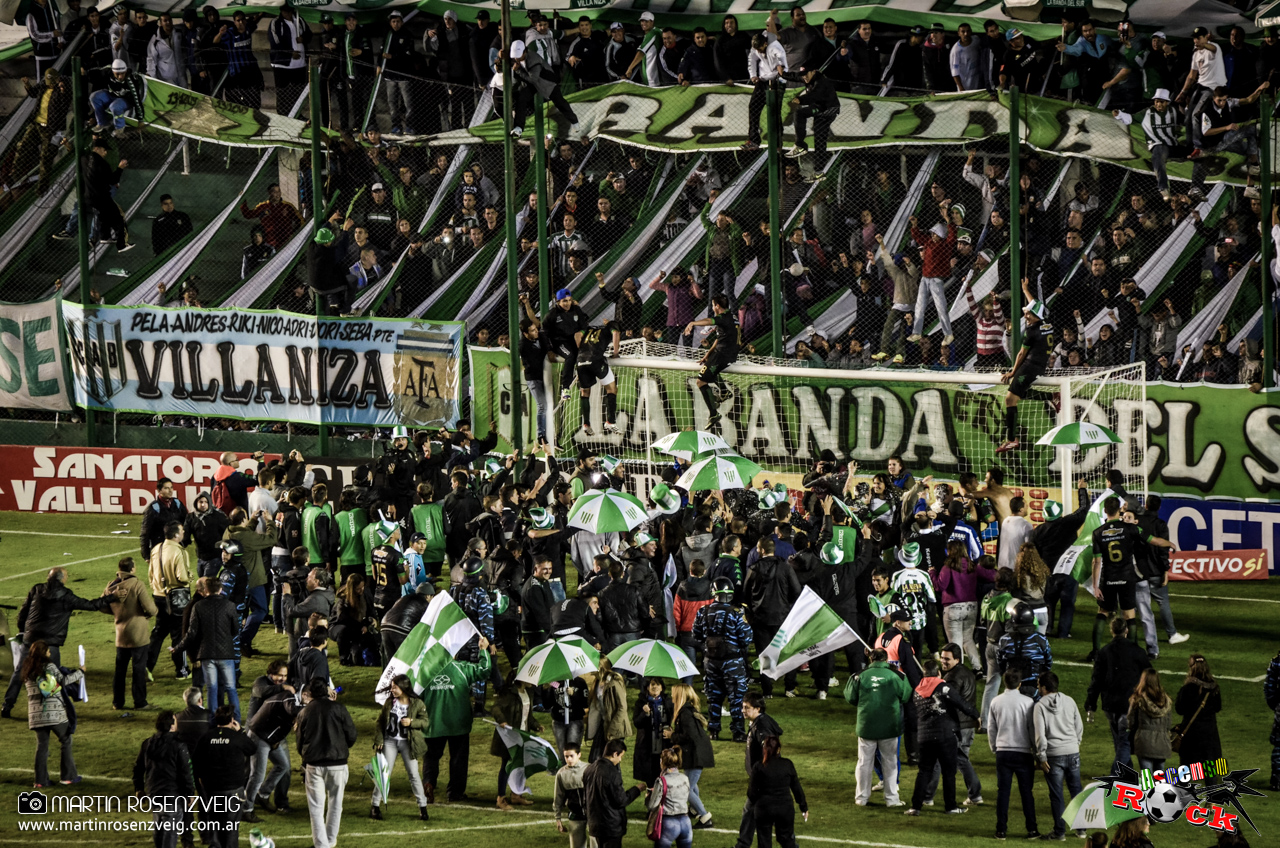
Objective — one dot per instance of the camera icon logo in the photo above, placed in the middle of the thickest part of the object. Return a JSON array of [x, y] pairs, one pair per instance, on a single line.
[[33, 803]]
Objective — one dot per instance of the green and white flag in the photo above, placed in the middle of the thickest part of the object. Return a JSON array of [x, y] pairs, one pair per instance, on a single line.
[[380, 773], [441, 632], [1078, 559], [812, 629], [527, 755]]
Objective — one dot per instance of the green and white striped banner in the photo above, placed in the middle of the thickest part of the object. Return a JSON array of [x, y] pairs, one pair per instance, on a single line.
[[442, 631], [811, 629]]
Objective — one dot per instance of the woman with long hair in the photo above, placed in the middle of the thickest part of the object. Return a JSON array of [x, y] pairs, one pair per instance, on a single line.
[[606, 708], [956, 584], [770, 789], [652, 719], [512, 709], [1198, 702], [1149, 709], [671, 792], [47, 712], [688, 734], [1133, 834], [399, 734], [349, 625], [1030, 576]]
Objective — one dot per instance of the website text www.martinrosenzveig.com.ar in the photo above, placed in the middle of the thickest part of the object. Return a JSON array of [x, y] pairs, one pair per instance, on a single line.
[[114, 814]]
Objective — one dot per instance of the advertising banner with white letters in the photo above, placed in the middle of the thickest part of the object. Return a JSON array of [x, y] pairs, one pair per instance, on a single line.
[[1198, 566]]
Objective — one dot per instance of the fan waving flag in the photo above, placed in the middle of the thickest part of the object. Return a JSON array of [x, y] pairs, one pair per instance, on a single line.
[[1077, 560], [527, 755], [812, 629], [441, 632]]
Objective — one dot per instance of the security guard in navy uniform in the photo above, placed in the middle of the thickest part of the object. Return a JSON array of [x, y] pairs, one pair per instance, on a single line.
[[725, 636], [1024, 648], [474, 599], [395, 473]]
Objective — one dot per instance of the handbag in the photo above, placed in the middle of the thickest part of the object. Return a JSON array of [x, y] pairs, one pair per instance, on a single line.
[[178, 597], [1177, 733], [653, 828]]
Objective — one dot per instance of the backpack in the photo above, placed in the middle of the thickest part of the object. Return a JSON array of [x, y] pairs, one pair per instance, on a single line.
[[221, 498], [716, 646]]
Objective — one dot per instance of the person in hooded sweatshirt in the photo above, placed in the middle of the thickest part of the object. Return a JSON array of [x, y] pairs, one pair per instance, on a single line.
[[642, 573], [701, 544], [770, 589], [693, 593], [936, 704], [1058, 732], [205, 525]]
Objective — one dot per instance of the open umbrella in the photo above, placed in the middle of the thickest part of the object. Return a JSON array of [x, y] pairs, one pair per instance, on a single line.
[[607, 511], [582, 645], [554, 661], [1092, 808], [651, 658], [1080, 434], [728, 471], [689, 443]]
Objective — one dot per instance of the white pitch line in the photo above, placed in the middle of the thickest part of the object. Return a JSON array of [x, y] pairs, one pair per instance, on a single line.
[[4, 530], [1258, 679], [46, 569], [1223, 598], [828, 839], [427, 830], [85, 776]]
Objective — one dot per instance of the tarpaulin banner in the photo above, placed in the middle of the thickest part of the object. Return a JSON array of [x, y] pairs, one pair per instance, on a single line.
[[1199, 566], [1197, 526], [186, 113], [102, 480], [32, 363], [265, 365]]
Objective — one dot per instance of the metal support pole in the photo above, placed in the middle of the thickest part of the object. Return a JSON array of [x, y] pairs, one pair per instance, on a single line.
[[1015, 219], [540, 163], [774, 145], [513, 253], [1268, 283], [82, 234], [317, 197]]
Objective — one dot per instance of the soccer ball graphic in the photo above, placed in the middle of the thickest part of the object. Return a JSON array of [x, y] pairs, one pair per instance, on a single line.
[[1165, 803]]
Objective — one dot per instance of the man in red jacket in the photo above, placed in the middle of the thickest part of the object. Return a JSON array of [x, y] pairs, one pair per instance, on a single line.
[[938, 244], [280, 218]]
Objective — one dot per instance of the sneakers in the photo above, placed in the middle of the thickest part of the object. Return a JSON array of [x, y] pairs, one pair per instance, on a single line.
[[587, 431], [265, 803], [1055, 837], [703, 821], [929, 803], [797, 151], [815, 177], [424, 814], [896, 804], [740, 737], [516, 132], [253, 818], [879, 357], [1196, 194], [1252, 192], [1164, 194], [118, 134], [973, 802], [564, 395], [1000, 836], [504, 805], [958, 811], [790, 693], [72, 782], [1179, 638], [822, 696], [897, 360], [610, 429], [182, 675], [98, 129], [833, 683], [395, 130], [520, 800], [878, 786], [711, 423], [913, 338], [750, 146], [1008, 446], [911, 812], [62, 235], [948, 339], [128, 246], [1195, 154], [1034, 834], [375, 812]]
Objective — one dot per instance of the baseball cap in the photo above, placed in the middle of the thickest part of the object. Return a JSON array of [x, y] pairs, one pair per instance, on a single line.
[[643, 539], [1199, 32], [899, 615], [1012, 34], [377, 187], [563, 293], [517, 49], [586, 453], [615, 25], [917, 30], [646, 16], [1159, 34], [937, 28], [417, 537], [349, 16], [326, 18], [395, 13], [965, 238], [119, 65]]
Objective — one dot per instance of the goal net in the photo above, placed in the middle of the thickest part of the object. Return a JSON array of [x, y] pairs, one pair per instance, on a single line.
[[942, 423]]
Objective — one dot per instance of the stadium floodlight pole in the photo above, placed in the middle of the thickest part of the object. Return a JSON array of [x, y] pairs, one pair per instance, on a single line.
[[540, 163], [773, 143], [513, 253], [1268, 284], [1015, 219], [317, 200], [82, 233]]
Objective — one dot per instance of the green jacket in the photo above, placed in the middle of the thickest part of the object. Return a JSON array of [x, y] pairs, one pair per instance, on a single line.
[[418, 725], [371, 540], [879, 693], [448, 697], [428, 519], [317, 534], [351, 524], [254, 543], [735, 240]]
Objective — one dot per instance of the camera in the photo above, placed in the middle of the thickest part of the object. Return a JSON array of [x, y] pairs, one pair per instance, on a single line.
[[33, 803]]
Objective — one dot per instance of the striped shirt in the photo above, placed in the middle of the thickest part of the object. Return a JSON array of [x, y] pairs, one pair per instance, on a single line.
[[240, 51], [990, 332], [1161, 128]]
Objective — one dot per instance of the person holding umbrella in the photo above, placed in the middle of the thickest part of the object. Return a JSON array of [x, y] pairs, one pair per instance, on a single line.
[[399, 733], [607, 718], [652, 717]]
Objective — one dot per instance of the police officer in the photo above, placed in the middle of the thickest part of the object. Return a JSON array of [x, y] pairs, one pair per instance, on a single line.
[[1025, 649], [395, 473], [475, 602], [724, 636]]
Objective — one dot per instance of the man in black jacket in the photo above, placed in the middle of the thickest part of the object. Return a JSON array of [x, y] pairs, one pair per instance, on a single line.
[[162, 511], [325, 735], [162, 773], [624, 615], [273, 707], [770, 589], [579, 617], [642, 574], [169, 227], [215, 626], [965, 684], [99, 179], [819, 102], [762, 725], [205, 526], [311, 661], [401, 618], [44, 617], [1116, 672], [936, 704], [193, 722], [459, 507], [535, 605], [606, 799], [221, 761]]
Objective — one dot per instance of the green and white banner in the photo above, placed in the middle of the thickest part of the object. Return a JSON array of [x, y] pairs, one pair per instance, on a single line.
[[810, 630], [33, 365], [186, 113], [432, 643], [1077, 560], [527, 755]]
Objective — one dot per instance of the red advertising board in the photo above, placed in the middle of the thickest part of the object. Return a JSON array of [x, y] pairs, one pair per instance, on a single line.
[[1241, 564], [101, 480]]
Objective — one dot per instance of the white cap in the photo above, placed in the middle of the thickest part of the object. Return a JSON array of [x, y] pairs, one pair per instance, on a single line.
[[517, 49], [1159, 34], [449, 13], [119, 65], [377, 187], [646, 16], [796, 269], [939, 230], [1161, 94]]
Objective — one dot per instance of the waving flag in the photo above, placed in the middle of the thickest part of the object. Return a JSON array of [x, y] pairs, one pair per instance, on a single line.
[[527, 755], [441, 632], [1077, 560], [812, 629]]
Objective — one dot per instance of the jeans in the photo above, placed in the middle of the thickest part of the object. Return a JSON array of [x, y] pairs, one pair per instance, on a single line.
[[261, 782], [391, 748], [939, 755], [1119, 737], [67, 766], [538, 396], [208, 567], [1160, 594], [256, 598], [1062, 767], [399, 102], [1150, 765], [865, 771], [102, 103], [932, 287], [220, 677], [124, 656], [224, 814], [958, 621], [1160, 155], [167, 826], [695, 799], [993, 685], [1142, 593], [677, 830], [16, 684], [1062, 589], [570, 734], [822, 121], [1011, 764], [614, 640], [971, 780], [325, 785]]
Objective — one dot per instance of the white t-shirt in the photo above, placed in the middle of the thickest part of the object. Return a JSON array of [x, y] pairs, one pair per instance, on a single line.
[[1014, 531], [1211, 71]]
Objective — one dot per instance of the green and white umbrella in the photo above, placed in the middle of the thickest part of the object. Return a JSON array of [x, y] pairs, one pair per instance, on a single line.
[[1092, 809], [552, 661], [651, 658], [1080, 434], [719, 472], [690, 443], [584, 646], [607, 511]]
